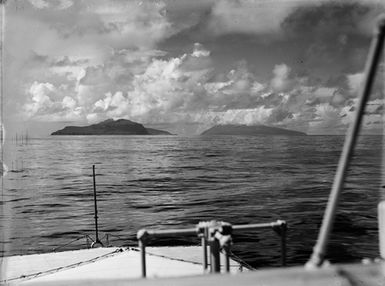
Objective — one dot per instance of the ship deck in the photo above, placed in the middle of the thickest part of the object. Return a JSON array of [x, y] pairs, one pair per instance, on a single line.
[[108, 263], [170, 266]]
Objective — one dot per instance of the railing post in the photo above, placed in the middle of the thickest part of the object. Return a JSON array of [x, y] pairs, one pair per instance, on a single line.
[[280, 227], [283, 243], [142, 247], [203, 233], [227, 258], [215, 260], [225, 241], [204, 245], [142, 238]]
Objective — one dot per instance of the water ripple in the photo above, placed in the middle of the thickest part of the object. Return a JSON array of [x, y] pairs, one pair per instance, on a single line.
[[161, 182]]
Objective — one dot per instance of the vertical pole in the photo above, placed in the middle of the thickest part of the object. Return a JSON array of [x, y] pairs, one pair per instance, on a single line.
[[204, 246], [381, 227], [227, 258], [95, 206], [319, 250], [214, 256], [2, 81], [142, 247], [283, 244]]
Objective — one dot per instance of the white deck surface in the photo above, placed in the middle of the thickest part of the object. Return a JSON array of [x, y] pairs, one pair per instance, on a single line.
[[103, 263]]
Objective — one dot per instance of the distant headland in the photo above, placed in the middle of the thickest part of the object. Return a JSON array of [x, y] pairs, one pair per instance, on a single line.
[[111, 127], [253, 130]]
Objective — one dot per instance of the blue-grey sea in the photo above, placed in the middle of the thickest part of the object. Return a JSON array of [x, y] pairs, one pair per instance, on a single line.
[[174, 182]]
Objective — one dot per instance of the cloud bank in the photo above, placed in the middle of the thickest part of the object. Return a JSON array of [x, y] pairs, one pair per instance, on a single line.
[[294, 64], [183, 90]]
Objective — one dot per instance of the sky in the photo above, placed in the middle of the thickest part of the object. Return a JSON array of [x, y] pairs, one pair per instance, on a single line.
[[184, 66]]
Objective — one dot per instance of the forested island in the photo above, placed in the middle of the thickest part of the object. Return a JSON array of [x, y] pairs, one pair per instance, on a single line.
[[252, 130], [111, 127]]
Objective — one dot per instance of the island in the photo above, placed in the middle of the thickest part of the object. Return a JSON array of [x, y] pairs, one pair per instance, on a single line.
[[250, 130], [111, 127]]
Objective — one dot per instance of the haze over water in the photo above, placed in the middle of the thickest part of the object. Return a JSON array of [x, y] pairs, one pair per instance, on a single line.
[[175, 182]]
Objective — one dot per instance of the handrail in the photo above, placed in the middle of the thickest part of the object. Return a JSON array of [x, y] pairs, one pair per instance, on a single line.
[[258, 225], [162, 233], [319, 249], [217, 235]]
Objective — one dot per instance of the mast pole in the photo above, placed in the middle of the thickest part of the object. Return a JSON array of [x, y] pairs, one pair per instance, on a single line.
[[319, 250], [95, 208]]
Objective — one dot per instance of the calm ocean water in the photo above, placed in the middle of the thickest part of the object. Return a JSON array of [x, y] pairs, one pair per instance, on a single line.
[[175, 182]]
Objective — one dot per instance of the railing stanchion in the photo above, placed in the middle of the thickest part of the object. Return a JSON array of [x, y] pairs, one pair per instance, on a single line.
[[283, 243], [142, 238], [204, 246], [143, 258], [225, 241], [215, 260], [280, 227], [227, 258]]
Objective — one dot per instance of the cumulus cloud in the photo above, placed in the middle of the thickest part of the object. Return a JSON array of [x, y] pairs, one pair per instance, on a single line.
[[103, 59], [281, 81], [161, 88], [69, 102], [199, 51], [179, 89], [48, 102], [40, 95], [182, 90], [40, 4], [56, 4], [355, 81], [248, 116], [88, 50], [326, 116], [327, 123]]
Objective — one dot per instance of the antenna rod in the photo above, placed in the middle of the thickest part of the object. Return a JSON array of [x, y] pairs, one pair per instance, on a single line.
[[96, 207], [319, 249]]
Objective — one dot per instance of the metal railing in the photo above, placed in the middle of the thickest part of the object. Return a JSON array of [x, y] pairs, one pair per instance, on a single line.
[[215, 235]]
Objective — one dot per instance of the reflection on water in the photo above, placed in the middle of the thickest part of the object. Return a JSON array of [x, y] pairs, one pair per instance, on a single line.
[[171, 181]]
